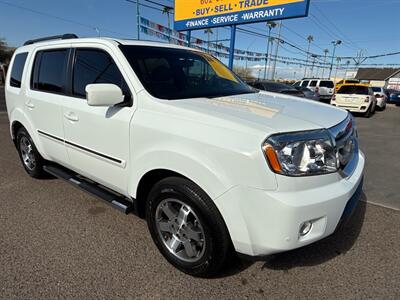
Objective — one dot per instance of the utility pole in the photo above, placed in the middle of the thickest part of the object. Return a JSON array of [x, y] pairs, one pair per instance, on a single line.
[[310, 39], [276, 51], [326, 51], [335, 44], [270, 25], [138, 18]]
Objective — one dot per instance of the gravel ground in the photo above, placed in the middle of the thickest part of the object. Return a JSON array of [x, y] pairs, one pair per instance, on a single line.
[[59, 242]]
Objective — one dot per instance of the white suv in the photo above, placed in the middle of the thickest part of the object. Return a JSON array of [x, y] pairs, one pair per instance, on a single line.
[[324, 88], [171, 134]]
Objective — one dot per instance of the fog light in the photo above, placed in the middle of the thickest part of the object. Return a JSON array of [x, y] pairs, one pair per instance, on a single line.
[[305, 228]]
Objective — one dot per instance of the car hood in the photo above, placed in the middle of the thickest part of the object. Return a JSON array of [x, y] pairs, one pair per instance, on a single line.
[[266, 111]]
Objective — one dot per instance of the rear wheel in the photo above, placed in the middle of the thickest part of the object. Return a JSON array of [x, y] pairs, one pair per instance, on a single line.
[[187, 227], [368, 113], [31, 159]]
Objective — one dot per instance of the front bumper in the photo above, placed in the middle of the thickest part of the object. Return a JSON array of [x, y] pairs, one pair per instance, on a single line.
[[265, 222]]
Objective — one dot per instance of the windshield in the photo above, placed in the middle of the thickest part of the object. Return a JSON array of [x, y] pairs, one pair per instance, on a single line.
[[353, 89], [327, 84], [168, 73]]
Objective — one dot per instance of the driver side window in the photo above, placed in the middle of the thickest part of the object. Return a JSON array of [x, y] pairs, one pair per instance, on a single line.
[[96, 66]]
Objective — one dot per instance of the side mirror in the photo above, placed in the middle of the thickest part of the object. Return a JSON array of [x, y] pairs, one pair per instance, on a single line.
[[103, 94]]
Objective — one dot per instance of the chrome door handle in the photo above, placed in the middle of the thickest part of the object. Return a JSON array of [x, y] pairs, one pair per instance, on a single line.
[[71, 116]]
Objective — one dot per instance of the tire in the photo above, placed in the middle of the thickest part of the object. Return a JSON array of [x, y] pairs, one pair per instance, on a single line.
[[368, 113], [187, 227], [30, 157]]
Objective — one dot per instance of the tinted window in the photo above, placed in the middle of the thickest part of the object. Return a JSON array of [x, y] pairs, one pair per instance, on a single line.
[[327, 84], [95, 66], [18, 69], [178, 74], [376, 89], [352, 81], [49, 71], [277, 87], [313, 83], [305, 83], [354, 89]]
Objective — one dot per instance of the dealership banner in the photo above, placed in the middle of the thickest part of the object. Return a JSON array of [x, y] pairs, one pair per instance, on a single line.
[[196, 14]]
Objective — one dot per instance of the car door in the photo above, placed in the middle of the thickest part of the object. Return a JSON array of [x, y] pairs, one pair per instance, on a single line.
[[45, 98], [97, 138]]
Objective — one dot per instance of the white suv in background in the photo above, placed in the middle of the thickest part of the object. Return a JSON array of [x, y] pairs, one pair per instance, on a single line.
[[324, 88], [173, 135], [381, 97]]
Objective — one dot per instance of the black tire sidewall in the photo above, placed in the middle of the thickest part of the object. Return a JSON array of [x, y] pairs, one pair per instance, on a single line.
[[217, 243]]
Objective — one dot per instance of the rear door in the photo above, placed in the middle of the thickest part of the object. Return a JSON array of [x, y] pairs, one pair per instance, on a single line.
[[45, 98], [326, 88], [97, 138]]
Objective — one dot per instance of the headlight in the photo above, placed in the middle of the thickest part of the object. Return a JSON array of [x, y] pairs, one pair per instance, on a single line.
[[302, 153]]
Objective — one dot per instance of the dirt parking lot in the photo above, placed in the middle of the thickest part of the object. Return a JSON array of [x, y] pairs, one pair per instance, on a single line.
[[59, 242]]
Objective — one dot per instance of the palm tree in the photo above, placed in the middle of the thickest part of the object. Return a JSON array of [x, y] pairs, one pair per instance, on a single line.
[[338, 60], [208, 31], [310, 39], [326, 51], [167, 10]]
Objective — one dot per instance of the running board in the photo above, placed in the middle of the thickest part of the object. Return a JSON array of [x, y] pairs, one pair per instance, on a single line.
[[117, 201]]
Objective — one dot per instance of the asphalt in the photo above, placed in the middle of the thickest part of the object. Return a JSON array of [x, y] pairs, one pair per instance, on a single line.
[[60, 243]]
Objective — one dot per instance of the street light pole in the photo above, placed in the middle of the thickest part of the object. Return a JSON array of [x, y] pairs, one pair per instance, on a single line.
[[335, 44]]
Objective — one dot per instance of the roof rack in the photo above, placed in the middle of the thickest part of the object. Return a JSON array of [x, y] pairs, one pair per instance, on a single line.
[[54, 37]]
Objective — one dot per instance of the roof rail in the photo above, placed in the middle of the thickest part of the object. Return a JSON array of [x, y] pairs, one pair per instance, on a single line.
[[54, 37]]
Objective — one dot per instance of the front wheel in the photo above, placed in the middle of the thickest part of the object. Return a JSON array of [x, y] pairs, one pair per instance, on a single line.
[[187, 228]]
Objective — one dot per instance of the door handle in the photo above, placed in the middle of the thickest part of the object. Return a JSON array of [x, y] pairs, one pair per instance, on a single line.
[[71, 116], [30, 105]]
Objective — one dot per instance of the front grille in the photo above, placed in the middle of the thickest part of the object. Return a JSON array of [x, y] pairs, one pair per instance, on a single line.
[[345, 136]]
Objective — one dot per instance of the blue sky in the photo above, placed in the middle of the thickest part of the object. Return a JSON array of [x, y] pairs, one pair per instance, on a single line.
[[362, 24]]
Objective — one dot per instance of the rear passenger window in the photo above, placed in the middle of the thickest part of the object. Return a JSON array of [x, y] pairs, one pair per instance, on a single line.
[[313, 83], [95, 66], [18, 69], [50, 71]]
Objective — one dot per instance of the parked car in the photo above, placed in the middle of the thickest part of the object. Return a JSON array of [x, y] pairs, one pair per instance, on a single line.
[[171, 134], [277, 87], [358, 98], [381, 98], [323, 87], [345, 81], [393, 96], [309, 94]]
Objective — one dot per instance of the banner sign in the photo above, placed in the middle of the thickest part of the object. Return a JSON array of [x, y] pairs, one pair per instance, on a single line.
[[196, 14]]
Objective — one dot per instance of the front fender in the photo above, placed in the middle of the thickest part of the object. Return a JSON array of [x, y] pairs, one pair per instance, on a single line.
[[211, 179]]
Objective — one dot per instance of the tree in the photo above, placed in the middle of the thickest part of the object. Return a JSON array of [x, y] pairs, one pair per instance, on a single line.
[[5, 51], [244, 73], [167, 10]]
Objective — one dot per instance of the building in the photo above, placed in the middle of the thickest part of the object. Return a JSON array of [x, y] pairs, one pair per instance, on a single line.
[[382, 77]]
